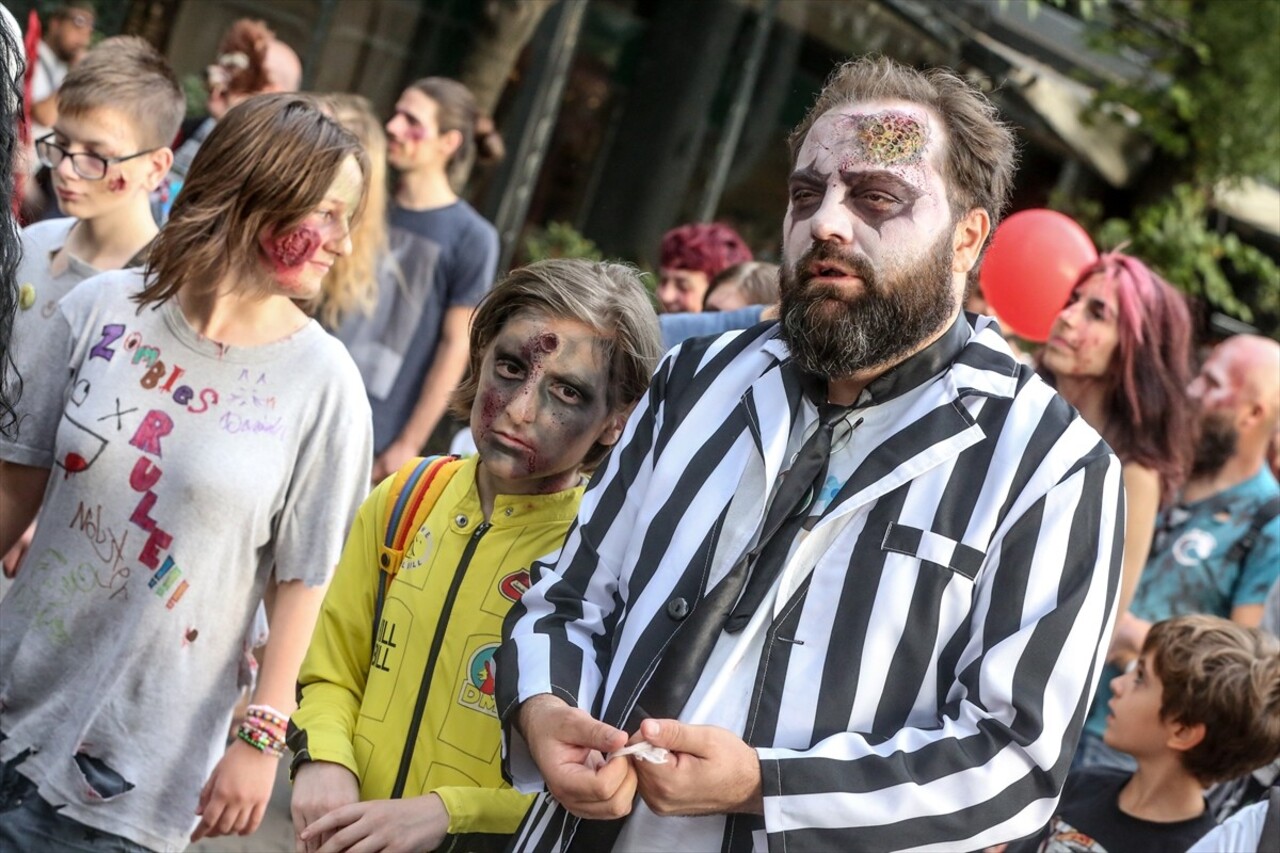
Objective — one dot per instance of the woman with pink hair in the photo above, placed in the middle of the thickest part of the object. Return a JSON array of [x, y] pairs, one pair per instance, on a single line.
[[1120, 352]]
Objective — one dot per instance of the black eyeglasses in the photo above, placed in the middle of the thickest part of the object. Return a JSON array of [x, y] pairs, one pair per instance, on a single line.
[[90, 166]]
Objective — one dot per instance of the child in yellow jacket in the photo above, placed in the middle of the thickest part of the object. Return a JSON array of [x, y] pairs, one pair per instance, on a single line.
[[396, 736]]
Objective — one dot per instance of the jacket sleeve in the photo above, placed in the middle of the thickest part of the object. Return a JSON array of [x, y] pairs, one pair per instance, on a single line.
[[332, 679], [552, 634], [484, 810], [992, 766]]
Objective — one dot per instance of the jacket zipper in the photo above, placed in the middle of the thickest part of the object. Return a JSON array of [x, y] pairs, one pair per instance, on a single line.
[[406, 757]]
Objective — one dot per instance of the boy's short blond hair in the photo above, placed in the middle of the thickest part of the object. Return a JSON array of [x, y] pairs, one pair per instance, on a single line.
[[128, 75], [1226, 677]]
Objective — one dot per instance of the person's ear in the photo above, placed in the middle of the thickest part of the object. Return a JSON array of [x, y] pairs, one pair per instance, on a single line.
[[1185, 736], [968, 238], [158, 164], [612, 430], [1251, 414], [450, 142]]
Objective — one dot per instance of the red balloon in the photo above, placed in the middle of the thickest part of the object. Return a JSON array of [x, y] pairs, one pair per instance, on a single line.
[[1027, 273]]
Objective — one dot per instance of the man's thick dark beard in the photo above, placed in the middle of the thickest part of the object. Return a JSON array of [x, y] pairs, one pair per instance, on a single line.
[[1216, 444], [833, 336]]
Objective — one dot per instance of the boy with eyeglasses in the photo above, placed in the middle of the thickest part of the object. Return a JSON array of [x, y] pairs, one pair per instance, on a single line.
[[118, 110]]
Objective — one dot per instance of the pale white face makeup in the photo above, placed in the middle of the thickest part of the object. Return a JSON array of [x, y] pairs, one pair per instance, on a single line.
[[867, 180]]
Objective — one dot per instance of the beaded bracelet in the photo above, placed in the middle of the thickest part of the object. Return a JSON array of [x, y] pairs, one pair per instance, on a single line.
[[263, 728], [260, 740], [268, 715]]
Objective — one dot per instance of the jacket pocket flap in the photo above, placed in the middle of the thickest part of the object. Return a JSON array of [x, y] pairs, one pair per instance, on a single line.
[[934, 548]]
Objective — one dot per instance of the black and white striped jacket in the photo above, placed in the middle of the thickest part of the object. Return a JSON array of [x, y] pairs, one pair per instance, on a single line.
[[924, 688]]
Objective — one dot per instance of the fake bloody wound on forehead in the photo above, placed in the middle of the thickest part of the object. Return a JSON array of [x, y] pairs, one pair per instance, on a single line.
[[887, 139]]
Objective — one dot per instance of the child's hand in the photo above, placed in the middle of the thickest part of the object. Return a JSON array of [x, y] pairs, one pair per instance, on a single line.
[[390, 826], [235, 797], [319, 787]]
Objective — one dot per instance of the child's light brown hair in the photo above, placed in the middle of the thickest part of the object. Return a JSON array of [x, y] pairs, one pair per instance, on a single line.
[[128, 75], [265, 167], [1227, 678], [607, 297]]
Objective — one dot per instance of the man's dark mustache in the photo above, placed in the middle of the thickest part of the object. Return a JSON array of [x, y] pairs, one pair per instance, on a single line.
[[827, 252]]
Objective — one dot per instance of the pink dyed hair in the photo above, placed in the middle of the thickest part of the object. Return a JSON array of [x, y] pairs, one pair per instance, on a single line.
[[1150, 418], [705, 247]]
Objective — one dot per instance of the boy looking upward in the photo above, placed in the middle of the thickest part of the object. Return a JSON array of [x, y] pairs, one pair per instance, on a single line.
[[1199, 706]]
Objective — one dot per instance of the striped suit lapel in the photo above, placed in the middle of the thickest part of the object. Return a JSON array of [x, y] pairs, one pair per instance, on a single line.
[[938, 428]]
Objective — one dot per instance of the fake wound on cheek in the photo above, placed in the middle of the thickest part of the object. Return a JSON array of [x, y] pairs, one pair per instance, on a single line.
[[117, 184], [288, 252]]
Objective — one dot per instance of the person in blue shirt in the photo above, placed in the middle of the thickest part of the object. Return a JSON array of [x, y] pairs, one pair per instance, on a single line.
[[1217, 549]]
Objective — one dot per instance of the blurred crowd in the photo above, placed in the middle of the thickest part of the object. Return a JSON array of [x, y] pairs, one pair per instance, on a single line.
[[236, 346]]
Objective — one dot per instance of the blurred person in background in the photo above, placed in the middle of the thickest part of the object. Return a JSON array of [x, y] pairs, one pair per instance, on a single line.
[[692, 255], [749, 283], [353, 284], [67, 34], [250, 61], [412, 350], [1217, 547], [1120, 352], [65, 41]]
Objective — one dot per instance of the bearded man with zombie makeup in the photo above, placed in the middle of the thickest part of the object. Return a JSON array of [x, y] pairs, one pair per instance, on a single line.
[[200, 439], [852, 570]]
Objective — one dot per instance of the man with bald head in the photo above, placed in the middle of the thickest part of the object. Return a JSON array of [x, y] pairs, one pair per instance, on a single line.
[[1217, 550], [850, 570]]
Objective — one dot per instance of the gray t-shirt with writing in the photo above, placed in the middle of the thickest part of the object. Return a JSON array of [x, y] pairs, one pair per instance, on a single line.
[[41, 284], [183, 474]]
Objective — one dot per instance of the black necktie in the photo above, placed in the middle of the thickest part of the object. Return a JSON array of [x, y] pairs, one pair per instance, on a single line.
[[668, 690]]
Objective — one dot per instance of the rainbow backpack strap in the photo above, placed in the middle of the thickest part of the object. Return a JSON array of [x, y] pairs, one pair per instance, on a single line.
[[414, 492]]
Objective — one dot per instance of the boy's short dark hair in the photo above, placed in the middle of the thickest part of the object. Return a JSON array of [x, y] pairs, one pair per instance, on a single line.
[[127, 74], [1226, 677]]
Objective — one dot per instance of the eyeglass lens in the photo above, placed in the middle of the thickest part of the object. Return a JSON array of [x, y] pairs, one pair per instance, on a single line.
[[88, 166]]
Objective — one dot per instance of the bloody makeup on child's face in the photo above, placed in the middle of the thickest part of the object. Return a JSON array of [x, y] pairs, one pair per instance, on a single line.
[[541, 403], [300, 258]]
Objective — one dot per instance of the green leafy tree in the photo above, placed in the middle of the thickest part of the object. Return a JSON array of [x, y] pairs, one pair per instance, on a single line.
[[559, 240], [1208, 105]]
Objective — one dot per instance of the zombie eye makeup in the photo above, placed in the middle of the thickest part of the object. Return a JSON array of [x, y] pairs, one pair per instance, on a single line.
[[878, 197]]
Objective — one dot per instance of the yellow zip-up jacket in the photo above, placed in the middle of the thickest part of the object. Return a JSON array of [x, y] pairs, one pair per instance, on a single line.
[[433, 658]]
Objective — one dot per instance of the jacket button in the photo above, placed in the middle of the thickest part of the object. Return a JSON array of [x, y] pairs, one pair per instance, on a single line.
[[386, 561], [677, 608], [461, 521]]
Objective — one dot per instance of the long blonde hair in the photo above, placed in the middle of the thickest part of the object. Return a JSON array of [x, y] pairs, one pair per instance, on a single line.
[[352, 285]]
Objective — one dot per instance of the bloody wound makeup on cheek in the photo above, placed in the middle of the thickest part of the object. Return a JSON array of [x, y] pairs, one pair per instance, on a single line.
[[117, 184], [287, 253]]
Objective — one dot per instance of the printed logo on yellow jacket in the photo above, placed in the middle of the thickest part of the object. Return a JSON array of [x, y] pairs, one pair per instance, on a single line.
[[477, 690]]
